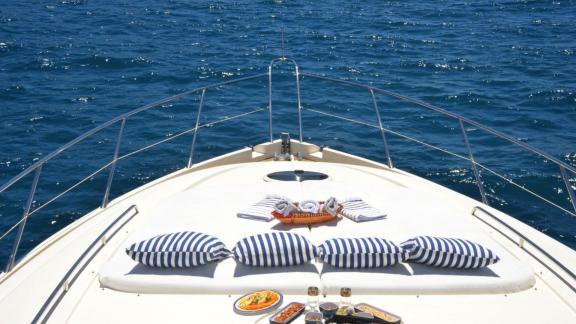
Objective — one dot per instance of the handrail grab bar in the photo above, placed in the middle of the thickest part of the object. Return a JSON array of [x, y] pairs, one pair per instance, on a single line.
[[532, 243], [68, 280]]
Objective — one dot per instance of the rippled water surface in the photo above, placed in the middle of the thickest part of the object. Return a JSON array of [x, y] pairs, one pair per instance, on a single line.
[[68, 66]]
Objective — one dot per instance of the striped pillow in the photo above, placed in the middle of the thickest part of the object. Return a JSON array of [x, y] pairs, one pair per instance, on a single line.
[[368, 252], [274, 249], [178, 250], [449, 252]]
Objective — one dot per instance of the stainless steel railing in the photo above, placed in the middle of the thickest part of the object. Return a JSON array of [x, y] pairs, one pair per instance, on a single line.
[[36, 168], [564, 168]]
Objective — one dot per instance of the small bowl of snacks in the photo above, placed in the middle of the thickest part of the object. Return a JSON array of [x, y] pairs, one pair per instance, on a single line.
[[257, 302], [313, 318], [328, 309]]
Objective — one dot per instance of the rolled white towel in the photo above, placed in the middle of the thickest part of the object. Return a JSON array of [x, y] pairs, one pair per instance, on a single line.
[[285, 206], [359, 211], [261, 210], [331, 206], [310, 206]]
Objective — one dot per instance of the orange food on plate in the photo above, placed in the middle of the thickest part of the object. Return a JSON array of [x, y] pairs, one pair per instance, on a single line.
[[258, 300]]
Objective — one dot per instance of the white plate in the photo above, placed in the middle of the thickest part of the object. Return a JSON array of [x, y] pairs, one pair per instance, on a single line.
[[240, 311]]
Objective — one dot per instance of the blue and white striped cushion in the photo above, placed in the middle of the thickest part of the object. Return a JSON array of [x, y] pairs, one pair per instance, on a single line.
[[275, 249], [368, 252], [178, 250], [449, 252]]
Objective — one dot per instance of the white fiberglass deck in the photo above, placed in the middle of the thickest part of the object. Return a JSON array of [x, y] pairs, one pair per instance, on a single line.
[[114, 289]]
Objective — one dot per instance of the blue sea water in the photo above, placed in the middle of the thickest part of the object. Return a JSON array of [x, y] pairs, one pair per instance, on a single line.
[[68, 66]]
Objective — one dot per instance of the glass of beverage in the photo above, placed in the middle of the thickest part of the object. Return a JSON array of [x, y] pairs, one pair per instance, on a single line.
[[313, 298], [345, 296]]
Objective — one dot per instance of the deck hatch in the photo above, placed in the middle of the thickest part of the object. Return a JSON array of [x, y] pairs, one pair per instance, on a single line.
[[296, 175]]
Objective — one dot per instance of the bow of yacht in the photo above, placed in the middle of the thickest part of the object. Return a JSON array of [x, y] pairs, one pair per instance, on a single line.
[[83, 273]]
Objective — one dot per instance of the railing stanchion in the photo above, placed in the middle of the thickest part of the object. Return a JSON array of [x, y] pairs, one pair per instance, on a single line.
[[270, 102], [190, 159], [571, 193], [473, 164], [24, 219], [299, 102], [113, 165], [382, 131]]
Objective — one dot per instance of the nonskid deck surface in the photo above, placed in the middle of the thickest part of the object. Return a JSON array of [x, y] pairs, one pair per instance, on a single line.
[[414, 207]]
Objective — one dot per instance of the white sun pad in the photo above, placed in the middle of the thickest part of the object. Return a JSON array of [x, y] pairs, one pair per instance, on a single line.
[[411, 213], [212, 211]]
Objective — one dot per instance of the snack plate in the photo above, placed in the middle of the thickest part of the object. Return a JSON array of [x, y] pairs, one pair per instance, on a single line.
[[355, 315], [240, 311], [354, 319], [389, 317], [289, 319], [313, 318]]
